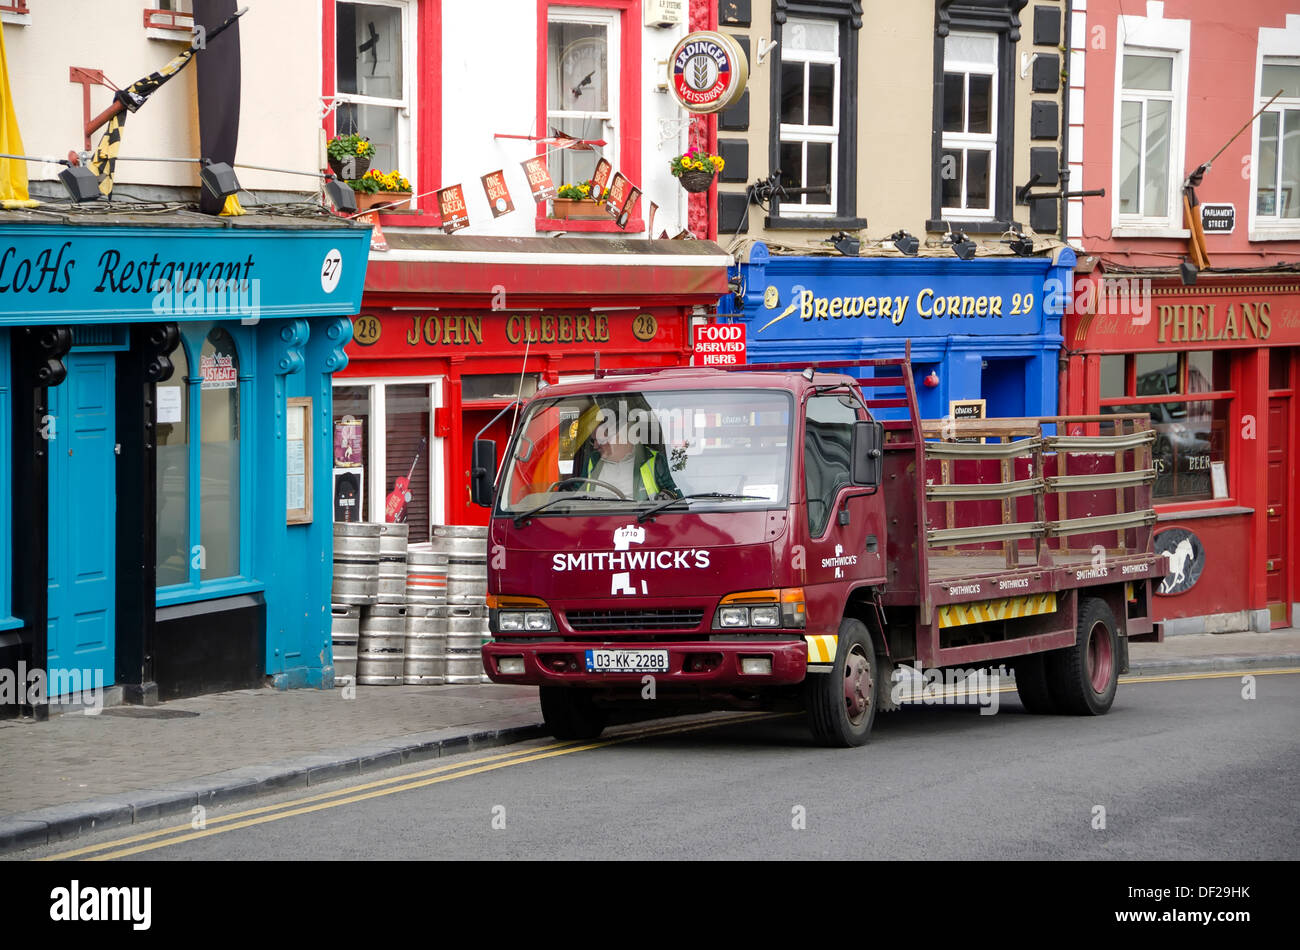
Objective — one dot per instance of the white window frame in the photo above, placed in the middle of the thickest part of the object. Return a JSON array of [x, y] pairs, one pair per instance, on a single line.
[[982, 141], [1153, 35], [1274, 45], [377, 483], [818, 134], [611, 19], [406, 123]]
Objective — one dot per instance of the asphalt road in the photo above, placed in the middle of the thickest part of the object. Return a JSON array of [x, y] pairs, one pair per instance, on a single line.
[[1183, 769]]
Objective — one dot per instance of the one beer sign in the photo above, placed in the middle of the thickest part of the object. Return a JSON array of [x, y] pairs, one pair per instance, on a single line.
[[539, 178], [451, 202]]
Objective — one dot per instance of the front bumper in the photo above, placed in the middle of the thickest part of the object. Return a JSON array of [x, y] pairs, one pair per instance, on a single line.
[[564, 663]]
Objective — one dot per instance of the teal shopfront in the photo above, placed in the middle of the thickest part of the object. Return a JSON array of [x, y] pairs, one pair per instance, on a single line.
[[165, 445]]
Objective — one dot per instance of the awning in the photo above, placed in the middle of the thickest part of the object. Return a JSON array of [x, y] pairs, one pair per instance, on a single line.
[[471, 271]]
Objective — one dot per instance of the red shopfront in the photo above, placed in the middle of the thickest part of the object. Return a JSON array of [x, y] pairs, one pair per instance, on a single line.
[[451, 328], [1217, 366]]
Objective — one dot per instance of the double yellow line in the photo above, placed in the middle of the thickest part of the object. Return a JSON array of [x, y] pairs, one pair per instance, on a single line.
[[136, 844]]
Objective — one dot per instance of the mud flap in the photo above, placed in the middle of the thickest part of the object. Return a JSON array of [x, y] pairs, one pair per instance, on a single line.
[[1123, 654]]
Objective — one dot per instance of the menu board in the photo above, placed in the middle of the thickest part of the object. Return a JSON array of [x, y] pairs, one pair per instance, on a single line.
[[298, 461]]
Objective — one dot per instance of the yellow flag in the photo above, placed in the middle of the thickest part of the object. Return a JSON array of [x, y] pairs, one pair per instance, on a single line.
[[13, 171]]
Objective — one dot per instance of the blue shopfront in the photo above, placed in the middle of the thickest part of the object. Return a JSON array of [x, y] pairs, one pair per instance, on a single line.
[[984, 329], [165, 409]]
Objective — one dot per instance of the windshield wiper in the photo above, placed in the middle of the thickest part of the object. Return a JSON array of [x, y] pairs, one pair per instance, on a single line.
[[649, 512], [524, 516]]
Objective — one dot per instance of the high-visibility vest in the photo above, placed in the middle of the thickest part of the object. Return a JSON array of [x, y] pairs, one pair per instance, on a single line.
[[647, 472]]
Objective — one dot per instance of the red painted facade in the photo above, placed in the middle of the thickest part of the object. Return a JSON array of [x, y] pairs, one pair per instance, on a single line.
[[1214, 361]]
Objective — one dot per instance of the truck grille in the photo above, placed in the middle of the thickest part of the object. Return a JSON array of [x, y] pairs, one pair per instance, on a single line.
[[665, 619]]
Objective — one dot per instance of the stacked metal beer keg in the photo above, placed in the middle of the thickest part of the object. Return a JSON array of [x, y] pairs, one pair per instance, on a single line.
[[467, 616], [382, 642], [409, 613], [356, 585], [426, 616]]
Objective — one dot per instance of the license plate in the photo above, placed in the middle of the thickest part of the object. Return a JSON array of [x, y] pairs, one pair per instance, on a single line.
[[627, 661]]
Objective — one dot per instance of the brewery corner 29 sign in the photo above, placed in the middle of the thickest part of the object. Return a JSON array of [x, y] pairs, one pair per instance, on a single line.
[[707, 71]]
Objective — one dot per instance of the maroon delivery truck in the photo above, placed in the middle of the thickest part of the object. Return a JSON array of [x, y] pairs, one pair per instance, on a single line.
[[769, 535]]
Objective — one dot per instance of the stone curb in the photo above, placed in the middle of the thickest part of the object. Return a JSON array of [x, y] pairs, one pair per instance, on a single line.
[[1222, 663], [63, 822]]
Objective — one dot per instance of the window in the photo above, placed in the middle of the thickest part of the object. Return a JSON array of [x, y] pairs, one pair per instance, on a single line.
[[6, 490], [814, 112], [1147, 131], [169, 19], [810, 113], [1277, 172], [373, 79], [970, 125], [1191, 434], [974, 114], [581, 89], [200, 462], [383, 431], [828, 451]]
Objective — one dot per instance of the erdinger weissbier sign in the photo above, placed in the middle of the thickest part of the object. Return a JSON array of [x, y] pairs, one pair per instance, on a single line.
[[707, 71]]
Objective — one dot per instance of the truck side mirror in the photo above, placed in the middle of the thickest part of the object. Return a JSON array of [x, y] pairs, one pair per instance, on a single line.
[[868, 453], [483, 472]]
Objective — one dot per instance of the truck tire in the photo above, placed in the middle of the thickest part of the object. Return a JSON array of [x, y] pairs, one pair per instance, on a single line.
[[571, 713], [1032, 685], [1083, 678], [841, 704]]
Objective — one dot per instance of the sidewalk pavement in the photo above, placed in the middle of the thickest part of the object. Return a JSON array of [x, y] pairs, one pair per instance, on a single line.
[[76, 773]]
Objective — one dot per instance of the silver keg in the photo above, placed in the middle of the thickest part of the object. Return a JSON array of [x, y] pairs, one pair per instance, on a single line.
[[356, 563], [426, 576], [392, 563], [466, 550], [425, 663], [466, 628], [381, 645], [345, 624]]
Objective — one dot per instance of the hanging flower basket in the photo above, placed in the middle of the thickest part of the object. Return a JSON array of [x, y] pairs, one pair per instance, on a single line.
[[696, 181], [359, 167]]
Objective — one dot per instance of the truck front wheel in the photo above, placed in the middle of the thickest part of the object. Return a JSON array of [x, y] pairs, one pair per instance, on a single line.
[[1083, 678], [841, 704], [571, 713]]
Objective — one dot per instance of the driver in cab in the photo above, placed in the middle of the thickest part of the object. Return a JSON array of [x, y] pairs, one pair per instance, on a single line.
[[611, 455]]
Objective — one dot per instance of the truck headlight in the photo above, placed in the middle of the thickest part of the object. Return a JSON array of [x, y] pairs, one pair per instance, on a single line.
[[507, 614], [769, 609]]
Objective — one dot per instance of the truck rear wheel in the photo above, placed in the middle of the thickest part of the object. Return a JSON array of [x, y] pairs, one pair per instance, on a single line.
[[1032, 685], [841, 705], [571, 713], [1083, 678]]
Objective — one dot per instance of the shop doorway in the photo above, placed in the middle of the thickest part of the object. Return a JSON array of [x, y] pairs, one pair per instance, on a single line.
[[83, 539], [1002, 387], [1276, 566], [499, 432]]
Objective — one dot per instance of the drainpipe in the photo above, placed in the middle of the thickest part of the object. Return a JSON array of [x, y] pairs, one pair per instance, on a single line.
[[1064, 173]]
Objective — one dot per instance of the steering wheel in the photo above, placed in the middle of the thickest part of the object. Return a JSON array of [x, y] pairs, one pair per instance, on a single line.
[[593, 481]]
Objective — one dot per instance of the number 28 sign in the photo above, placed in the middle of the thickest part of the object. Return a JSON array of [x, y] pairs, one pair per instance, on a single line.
[[720, 344]]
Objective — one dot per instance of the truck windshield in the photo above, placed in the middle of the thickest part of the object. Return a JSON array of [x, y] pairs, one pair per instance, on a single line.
[[630, 449]]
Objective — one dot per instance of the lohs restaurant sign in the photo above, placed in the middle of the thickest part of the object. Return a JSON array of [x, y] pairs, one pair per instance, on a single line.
[[83, 274]]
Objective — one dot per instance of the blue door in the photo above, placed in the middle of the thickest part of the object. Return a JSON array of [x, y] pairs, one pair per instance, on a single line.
[[83, 516]]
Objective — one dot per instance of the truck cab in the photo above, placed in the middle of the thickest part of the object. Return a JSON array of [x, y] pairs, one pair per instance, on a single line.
[[700, 528]]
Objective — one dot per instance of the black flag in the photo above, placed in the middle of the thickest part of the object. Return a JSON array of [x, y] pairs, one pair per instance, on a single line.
[[218, 82]]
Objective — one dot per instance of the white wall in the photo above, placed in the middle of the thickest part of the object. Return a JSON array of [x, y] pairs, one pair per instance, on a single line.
[[279, 109], [490, 86]]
